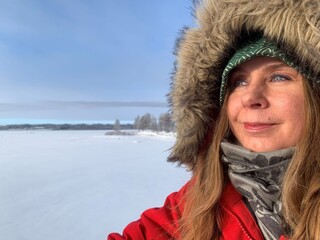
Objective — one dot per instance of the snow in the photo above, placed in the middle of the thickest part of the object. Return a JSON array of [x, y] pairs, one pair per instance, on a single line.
[[81, 184]]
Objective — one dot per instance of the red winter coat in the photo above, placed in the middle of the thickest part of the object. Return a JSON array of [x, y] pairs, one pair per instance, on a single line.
[[161, 223]]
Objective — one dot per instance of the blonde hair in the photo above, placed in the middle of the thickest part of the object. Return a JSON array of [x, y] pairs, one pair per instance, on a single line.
[[201, 218], [301, 184]]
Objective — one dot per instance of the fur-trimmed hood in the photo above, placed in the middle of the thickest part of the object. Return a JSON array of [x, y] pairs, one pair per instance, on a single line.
[[204, 50]]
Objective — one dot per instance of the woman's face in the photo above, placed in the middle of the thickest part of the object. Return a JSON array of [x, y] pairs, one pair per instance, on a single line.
[[265, 107]]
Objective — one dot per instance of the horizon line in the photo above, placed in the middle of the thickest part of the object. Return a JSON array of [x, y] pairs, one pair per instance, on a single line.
[[9, 106]]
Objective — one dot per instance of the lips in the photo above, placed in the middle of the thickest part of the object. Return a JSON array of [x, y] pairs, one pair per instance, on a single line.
[[257, 126]]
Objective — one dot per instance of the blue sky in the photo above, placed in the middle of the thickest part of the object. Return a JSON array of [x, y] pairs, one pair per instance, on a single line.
[[81, 60]]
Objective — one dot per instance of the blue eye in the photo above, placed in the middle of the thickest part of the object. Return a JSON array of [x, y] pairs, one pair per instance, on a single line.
[[279, 78], [239, 83]]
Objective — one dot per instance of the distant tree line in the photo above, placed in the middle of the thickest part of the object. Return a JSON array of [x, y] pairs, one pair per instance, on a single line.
[[149, 122], [144, 122]]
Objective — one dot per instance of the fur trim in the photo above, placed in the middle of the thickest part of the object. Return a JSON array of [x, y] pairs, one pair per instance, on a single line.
[[203, 51]]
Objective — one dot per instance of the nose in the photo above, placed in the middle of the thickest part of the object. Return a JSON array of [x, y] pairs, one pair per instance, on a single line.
[[255, 97]]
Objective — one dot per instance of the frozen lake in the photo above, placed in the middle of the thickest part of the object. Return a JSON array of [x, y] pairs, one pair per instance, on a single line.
[[62, 185]]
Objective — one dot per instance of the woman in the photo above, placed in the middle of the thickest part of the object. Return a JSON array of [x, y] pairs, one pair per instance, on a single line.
[[246, 101]]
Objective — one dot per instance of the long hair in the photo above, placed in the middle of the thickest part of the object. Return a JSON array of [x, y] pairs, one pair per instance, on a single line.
[[201, 218], [301, 183]]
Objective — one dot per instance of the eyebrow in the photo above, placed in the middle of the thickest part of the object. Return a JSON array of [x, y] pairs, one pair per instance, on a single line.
[[276, 65], [270, 66]]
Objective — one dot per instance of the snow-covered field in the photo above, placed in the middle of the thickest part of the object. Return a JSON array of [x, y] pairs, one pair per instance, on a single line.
[[62, 185]]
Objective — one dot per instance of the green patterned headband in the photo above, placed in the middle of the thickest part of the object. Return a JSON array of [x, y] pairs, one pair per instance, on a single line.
[[252, 49]]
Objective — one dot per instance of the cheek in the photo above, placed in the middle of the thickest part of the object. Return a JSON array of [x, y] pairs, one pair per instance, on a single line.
[[293, 111], [232, 108], [293, 107], [299, 115]]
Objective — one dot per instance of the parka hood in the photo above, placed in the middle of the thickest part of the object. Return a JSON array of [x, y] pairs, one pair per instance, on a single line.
[[203, 51]]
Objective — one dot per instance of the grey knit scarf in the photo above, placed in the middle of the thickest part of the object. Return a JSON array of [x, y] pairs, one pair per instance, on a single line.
[[257, 177]]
